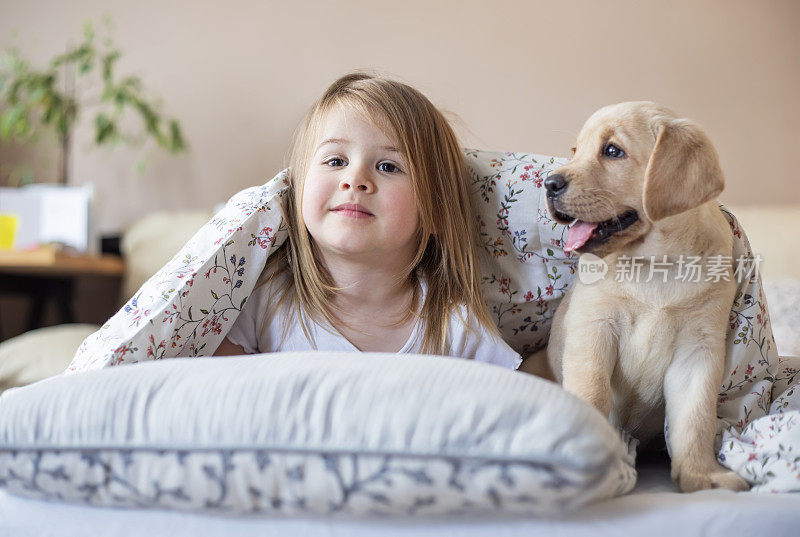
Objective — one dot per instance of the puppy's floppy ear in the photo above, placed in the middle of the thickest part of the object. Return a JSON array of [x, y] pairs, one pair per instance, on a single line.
[[683, 171]]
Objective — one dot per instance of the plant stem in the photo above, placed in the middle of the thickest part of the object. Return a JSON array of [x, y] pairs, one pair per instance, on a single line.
[[63, 176], [69, 91]]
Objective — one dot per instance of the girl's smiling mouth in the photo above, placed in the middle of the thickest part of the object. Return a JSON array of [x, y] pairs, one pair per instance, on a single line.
[[352, 210]]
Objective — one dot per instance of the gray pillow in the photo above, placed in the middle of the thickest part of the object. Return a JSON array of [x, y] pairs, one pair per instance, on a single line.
[[320, 433]]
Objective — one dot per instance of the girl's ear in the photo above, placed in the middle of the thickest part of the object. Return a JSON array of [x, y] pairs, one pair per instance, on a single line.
[[683, 171]]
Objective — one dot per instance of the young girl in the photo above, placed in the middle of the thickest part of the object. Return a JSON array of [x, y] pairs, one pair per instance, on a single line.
[[382, 253]]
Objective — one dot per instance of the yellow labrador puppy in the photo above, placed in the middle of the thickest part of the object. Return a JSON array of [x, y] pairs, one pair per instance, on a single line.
[[645, 339]]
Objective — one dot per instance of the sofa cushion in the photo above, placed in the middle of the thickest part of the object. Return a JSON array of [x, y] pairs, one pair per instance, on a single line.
[[40, 353]]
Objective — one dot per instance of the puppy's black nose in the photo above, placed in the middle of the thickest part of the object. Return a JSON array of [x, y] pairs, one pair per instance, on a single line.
[[555, 184]]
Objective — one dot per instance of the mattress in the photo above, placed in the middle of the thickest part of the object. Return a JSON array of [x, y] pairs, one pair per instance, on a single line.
[[653, 508]]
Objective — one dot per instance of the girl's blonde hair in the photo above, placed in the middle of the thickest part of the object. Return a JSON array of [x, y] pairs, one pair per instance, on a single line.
[[447, 254]]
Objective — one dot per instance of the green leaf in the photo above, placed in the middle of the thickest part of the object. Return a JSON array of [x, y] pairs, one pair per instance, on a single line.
[[121, 98], [149, 118], [49, 112], [85, 67], [105, 129], [38, 95], [177, 142], [88, 30], [108, 64], [214, 295], [62, 125], [13, 122], [131, 84]]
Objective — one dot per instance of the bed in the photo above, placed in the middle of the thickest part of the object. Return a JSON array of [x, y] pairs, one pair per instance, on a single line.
[[653, 508]]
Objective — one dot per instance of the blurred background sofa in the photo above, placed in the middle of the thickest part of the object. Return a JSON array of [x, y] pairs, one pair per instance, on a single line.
[[146, 246]]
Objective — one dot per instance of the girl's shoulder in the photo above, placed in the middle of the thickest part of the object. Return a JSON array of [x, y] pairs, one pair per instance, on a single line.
[[469, 339], [269, 291]]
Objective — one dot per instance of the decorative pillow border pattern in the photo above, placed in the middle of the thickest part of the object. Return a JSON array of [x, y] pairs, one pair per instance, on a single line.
[[263, 481]]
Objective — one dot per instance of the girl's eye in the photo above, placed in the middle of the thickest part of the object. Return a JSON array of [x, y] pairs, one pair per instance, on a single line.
[[612, 151], [335, 162], [388, 167]]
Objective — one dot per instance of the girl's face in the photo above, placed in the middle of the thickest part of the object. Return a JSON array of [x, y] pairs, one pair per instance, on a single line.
[[357, 197]]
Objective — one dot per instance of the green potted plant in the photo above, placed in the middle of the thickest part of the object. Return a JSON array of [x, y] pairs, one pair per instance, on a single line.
[[54, 98]]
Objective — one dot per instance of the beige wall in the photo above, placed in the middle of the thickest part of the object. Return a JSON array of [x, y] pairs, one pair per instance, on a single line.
[[520, 75]]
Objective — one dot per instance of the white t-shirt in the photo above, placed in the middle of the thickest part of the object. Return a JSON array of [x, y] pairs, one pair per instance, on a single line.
[[475, 344]]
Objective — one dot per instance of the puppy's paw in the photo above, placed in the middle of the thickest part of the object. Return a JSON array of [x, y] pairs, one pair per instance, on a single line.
[[714, 478]]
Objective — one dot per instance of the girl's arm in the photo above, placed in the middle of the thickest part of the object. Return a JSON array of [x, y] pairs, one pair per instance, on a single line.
[[226, 348]]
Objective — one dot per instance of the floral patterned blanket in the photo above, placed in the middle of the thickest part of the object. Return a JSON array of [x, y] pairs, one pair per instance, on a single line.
[[186, 308]]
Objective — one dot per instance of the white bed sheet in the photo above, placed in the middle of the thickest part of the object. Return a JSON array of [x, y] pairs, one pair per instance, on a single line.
[[654, 508]]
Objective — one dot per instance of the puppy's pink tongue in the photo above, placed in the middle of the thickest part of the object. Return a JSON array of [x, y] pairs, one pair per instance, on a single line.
[[578, 234]]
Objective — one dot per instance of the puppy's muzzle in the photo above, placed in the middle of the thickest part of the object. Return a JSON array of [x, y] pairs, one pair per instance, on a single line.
[[556, 185]]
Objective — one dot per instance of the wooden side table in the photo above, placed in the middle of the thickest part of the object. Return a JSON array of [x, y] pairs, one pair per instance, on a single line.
[[47, 273]]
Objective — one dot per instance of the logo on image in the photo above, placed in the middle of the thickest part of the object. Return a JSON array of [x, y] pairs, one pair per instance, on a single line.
[[591, 268]]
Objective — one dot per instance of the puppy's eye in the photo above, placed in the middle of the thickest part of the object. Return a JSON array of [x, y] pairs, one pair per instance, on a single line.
[[612, 151]]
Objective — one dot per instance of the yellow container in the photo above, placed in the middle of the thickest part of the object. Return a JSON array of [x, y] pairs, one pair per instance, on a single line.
[[8, 229]]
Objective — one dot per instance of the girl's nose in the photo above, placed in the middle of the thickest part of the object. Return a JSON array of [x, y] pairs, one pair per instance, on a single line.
[[359, 181]]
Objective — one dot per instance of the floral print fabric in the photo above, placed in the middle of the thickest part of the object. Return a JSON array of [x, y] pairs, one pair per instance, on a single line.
[[189, 305]]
